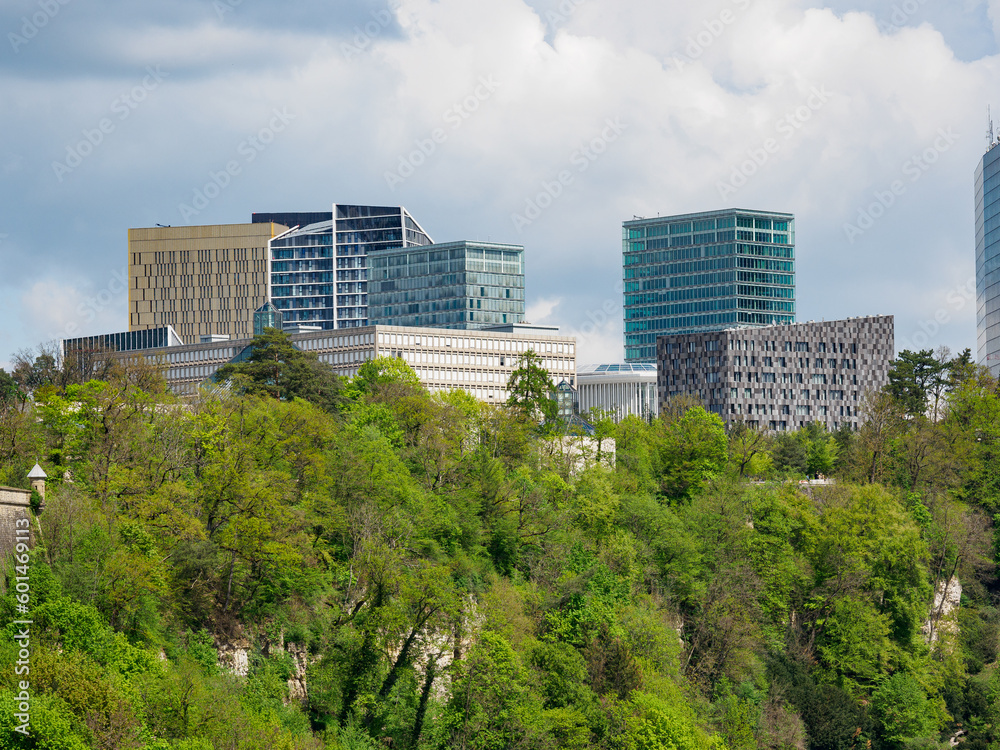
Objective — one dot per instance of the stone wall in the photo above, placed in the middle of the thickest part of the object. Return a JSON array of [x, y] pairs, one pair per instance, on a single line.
[[14, 506]]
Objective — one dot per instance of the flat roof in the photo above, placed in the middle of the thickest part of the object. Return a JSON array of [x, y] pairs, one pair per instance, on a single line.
[[707, 214]]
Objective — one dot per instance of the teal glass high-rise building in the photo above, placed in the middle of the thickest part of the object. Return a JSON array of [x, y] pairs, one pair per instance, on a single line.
[[449, 285], [705, 272], [988, 259]]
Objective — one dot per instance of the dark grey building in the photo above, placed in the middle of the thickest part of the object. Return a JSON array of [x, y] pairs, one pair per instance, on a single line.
[[469, 285], [780, 377]]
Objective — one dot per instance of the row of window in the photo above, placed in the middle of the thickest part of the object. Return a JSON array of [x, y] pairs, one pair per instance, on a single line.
[[767, 345], [485, 344]]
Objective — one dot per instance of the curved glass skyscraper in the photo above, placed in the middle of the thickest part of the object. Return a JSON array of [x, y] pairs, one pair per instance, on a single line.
[[988, 259], [319, 272]]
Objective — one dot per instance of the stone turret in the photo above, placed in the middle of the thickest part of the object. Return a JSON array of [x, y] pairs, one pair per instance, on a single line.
[[37, 477]]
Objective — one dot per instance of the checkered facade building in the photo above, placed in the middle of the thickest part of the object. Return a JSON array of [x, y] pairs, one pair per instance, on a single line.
[[780, 377]]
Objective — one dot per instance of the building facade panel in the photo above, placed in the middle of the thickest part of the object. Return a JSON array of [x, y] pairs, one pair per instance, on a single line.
[[988, 260], [705, 272], [780, 377], [451, 285], [202, 280], [319, 272]]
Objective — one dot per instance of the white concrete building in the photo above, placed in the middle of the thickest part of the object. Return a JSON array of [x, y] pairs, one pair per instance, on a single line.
[[477, 361], [621, 389]]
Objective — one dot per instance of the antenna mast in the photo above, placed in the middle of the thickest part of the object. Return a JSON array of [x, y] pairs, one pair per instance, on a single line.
[[990, 133]]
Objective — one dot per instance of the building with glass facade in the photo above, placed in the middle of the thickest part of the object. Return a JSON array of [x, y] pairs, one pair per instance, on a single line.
[[449, 285], [319, 272], [705, 272], [988, 259]]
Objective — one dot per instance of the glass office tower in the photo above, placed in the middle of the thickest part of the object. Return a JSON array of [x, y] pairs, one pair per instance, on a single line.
[[705, 272], [451, 285], [319, 272], [988, 260]]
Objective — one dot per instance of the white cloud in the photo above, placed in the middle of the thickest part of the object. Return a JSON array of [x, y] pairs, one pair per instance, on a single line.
[[53, 309], [689, 128], [540, 311]]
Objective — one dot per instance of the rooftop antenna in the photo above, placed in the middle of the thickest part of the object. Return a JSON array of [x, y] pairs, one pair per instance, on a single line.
[[990, 134]]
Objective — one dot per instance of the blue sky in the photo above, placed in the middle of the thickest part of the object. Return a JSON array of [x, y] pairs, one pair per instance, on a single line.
[[539, 123]]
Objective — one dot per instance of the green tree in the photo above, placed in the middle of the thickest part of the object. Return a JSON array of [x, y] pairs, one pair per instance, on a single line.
[[530, 388], [492, 705], [821, 454], [902, 709], [749, 449], [277, 368], [960, 369], [791, 453], [911, 377], [694, 450]]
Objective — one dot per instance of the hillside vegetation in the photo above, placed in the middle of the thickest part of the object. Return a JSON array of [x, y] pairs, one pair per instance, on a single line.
[[406, 570]]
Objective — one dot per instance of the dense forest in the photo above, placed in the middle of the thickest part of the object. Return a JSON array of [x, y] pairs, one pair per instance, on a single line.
[[292, 560]]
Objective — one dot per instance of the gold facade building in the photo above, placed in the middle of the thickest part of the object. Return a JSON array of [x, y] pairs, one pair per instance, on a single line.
[[203, 280]]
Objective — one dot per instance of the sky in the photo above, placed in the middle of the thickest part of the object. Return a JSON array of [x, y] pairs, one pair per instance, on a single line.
[[544, 123]]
